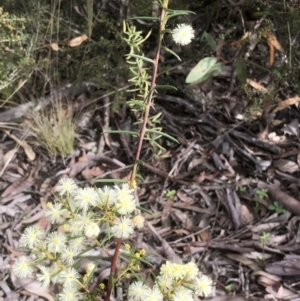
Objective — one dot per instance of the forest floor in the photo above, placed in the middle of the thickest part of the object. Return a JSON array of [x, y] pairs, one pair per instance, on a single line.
[[226, 194]]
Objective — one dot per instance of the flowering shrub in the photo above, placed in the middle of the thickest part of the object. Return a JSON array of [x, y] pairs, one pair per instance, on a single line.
[[85, 218], [80, 213], [176, 282]]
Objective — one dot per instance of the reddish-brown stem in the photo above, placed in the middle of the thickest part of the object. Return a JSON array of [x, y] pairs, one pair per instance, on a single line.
[[149, 101], [112, 270], [140, 144]]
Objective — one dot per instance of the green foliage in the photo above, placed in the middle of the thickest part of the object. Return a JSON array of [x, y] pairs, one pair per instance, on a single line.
[[277, 208], [262, 193], [265, 238], [257, 208], [204, 70], [171, 193], [243, 188], [15, 55]]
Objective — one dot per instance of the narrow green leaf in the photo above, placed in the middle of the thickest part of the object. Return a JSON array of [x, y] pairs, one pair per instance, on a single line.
[[211, 42], [145, 18], [168, 87], [162, 134], [172, 52], [174, 13], [140, 57], [241, 70], [109, 181], [140, 177], [122, 132], [89, 6], [137, 103]]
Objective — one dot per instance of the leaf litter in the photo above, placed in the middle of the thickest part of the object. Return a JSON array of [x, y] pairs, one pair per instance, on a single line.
[[217, 216]]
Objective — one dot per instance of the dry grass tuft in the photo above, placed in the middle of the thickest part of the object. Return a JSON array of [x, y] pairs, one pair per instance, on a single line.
[[54, 128]]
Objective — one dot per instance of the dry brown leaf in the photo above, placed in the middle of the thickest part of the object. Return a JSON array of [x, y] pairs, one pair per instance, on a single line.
[[256, 86], [264, 227], [266, 281], [9, 156], [78, 41], [246, 217], [54, 46], [272, 52], [244, 260], [18, 186], [165, 217], [284, 268], [282, 293], [27, 148], [32, 286], [286, 165], [185, 198], [287, 103], [1, 159], [265, 274], [227, 298], [272, 40]]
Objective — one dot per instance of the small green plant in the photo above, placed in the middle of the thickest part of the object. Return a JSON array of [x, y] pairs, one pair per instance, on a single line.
[[262, 193], [257, 208], [265, 238], [277, 208], [243, 188], [229, 287], [171, 193]]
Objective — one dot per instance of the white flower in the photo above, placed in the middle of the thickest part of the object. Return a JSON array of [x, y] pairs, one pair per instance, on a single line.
[[86, 197], [22, 267], [203, 286], [55, 213], [74, 227], [154, 295], [68, 278], [125, 199], [107, 196], [183, 34], [45, 276], [166, 270], [182, 293], [77, 243], [138, 291], [56, 242], [89, 267], [122, 228], [191, 270], [165, 283], [178, 271], [91, 230], [125, 205], [82, 220], [138, 221], [32, 236], [69, 294], [66, 186], [68, 255]]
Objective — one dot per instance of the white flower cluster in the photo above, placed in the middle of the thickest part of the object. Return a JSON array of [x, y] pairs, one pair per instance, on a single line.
[[176, 282], [79, 212], [78, 215], [183, 34]]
